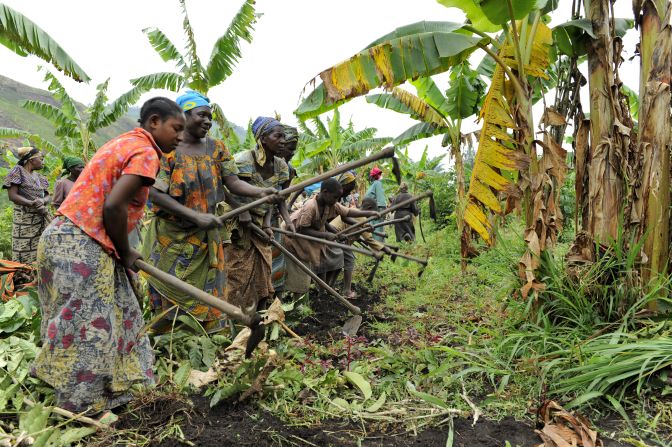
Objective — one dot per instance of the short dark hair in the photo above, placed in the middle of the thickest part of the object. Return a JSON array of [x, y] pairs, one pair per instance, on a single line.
[[161, 106], [369, 203], [331, 185]]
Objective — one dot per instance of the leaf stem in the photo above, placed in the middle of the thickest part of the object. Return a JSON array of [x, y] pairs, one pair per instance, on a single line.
[[516, 42], [491, 41], [514, 80]]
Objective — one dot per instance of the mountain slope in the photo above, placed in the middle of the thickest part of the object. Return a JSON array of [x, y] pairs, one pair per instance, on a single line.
[[13, 93]]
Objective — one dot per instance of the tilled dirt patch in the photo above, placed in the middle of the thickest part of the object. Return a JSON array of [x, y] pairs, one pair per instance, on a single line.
[[247, 425]]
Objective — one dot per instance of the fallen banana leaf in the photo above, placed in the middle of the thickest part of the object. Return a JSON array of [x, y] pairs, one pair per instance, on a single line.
[[565, 429]]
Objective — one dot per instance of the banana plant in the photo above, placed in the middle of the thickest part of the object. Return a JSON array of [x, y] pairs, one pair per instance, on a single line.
[[74, 129], [506, 161], [439, 114], [325, 146], [24, 37], [414, 172], [190, 70]]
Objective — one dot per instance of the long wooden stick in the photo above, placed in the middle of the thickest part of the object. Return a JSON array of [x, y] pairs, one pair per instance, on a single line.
[[326, 242], [229, 309], [394, 207], [385, 153], [378, 225], [401, 255], [354, 309]]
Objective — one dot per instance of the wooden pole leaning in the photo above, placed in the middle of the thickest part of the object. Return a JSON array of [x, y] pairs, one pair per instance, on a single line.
[[232, 311], [387, 211], [382, 224], [351, 307], [363, 251]]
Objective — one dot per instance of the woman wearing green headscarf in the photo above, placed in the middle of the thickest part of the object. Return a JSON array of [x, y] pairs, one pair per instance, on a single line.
[[72, 167]]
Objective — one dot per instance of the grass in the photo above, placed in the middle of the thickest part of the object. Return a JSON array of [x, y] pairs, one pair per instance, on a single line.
[[452, 334]]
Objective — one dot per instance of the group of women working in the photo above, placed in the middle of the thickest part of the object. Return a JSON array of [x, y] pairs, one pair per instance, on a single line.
[[93, 346]]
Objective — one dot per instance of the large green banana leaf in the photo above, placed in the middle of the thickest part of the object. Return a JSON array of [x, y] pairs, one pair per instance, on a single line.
[[21, 35], [387, 64]]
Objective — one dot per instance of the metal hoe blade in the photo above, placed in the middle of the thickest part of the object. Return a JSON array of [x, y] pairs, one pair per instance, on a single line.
[[351, 326]]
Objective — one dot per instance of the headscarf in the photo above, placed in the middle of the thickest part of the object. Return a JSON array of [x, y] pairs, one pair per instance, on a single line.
[[260, 127], [192, 99], [375, 173], [71, 162], [26, 153], [346, 178], [403, 187], [291, 134]]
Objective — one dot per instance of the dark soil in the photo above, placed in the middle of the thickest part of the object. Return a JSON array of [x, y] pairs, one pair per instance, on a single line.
[[329, 315], [247, 425]]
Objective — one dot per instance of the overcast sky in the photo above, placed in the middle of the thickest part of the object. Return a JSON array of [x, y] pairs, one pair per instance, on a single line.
[[294, 40]]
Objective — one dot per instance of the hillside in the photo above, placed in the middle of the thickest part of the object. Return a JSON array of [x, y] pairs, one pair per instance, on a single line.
[[13, 93]]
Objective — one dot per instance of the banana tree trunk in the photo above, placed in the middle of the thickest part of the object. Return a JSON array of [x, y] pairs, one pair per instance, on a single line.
[[652, 204], [606, 184]]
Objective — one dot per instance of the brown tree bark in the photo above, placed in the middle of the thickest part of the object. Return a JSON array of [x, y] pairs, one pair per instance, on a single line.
[[651, 209], [608, 136]]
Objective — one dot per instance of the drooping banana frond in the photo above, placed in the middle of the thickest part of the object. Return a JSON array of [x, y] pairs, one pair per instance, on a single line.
[[497, 150], [21, 35], [225, 127], [166, 49], [164, 80], [322, 131], [36, 140], [418, 132], [51, 113], [116, 109], [388, 101], [363, 134], [226, 52], [61, 95], [387, 64], [196, 73], [98, 106], [368, 145], [421, 109], [305, 130], [428, 91]]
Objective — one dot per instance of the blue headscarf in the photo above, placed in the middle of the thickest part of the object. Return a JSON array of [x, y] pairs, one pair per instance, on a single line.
[[191, 99], [260, 127]]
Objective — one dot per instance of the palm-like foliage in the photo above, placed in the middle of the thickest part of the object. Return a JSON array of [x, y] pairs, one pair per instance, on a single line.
[[74, 129], [414, 172], [190, 70], [439, 114], [24, 37], [325, 146]]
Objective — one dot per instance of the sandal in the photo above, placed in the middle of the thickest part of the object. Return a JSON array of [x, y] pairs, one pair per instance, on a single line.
[[351, 296]]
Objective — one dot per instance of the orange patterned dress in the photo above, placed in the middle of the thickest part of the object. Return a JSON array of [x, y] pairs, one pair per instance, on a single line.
[[180, 248]]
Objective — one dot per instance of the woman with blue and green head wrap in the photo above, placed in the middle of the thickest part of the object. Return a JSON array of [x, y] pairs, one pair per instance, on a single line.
[[185, 238], [249, 258]]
